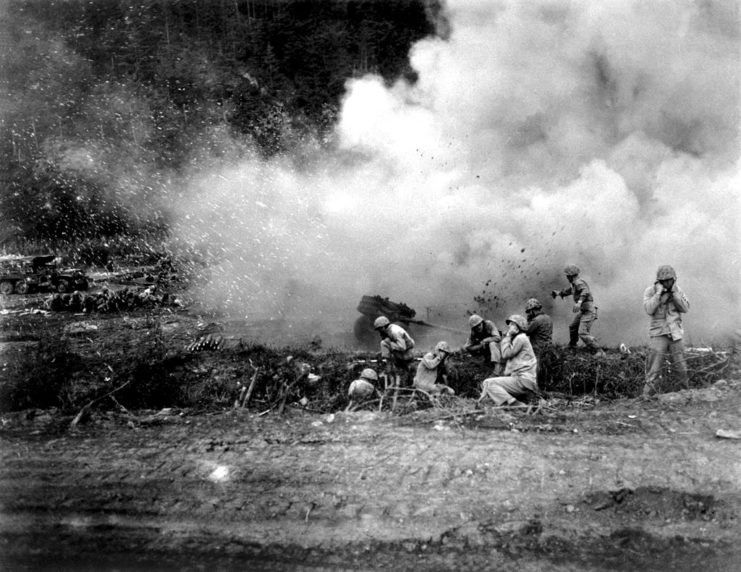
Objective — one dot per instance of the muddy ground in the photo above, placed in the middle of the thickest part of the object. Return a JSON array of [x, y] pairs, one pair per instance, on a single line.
[[588, 484]]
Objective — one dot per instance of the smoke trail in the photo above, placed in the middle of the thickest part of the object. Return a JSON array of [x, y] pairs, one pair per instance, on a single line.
[[539, 134]]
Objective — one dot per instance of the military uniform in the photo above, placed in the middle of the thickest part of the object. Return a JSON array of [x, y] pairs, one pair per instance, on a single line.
[[520, 378], [581, 324], [540, 332], [665, 329], [484, 340], [432, 372]]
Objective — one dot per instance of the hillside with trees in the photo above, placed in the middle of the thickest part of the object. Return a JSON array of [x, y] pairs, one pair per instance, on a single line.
[[104, 102]]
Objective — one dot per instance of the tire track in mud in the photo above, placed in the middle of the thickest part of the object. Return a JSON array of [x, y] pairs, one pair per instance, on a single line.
[[342, 485]]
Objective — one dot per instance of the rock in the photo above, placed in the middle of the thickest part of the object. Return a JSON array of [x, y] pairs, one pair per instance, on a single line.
[[728, 433]]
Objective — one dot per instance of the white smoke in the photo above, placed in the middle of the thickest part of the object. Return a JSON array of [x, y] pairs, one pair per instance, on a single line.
[[539, 134]]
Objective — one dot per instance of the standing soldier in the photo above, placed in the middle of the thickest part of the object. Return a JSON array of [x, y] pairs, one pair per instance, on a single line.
[[665, 302], [584, 308], [396, 347], [484, 341], [540, 332]]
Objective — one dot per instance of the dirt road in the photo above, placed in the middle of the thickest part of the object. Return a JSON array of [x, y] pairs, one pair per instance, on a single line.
[[632, 485]]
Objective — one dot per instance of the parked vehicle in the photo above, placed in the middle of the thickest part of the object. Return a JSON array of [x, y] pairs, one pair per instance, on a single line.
[[23, 274]]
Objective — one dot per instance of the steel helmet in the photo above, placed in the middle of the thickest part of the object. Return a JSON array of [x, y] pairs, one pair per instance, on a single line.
[[518, 320], [666, 272], [369, 373], [475, 320], [533, 304], [571, 270], [381, 322], [443, 347]]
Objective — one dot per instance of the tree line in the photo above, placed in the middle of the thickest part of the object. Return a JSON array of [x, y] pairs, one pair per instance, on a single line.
[[104, 102]]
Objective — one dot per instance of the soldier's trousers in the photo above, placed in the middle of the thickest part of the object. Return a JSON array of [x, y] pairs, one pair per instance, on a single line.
[[658, 347], [580, 327], [507, 389]]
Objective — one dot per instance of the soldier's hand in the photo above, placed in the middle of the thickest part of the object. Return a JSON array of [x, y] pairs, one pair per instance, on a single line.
[[554, 293], [577, 308]]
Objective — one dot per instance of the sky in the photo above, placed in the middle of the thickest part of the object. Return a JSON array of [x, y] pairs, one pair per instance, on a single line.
[[538, 134]]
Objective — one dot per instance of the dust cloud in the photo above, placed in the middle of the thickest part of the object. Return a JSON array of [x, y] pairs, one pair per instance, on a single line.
[[538, 134]]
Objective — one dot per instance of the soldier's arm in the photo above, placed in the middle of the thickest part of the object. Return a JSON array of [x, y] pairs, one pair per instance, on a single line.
[[681, 303], [431, 361], [396, 341], [510, 346], [582, 291], [652, 298], [470, 344], [494, 335], [566, 292]]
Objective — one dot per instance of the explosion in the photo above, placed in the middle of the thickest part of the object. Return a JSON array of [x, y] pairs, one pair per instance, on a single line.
[[538, 134]]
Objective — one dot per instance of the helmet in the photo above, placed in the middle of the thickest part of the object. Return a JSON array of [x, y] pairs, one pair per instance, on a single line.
[[571, 270], [665, 272], [381, 322], [369, 373], [518, 320], [475, 320], [533, 304], [442, 347]]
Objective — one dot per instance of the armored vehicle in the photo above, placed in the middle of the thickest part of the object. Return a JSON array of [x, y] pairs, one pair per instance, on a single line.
[[371, 307]]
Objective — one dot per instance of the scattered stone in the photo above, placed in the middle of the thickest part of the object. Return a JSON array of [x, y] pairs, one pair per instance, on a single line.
[[728, 434]]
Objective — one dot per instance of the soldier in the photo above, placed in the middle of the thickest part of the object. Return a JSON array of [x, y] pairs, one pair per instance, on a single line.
[[364, 387], [103, 300], [432, 371], [54, 303], [89, 304], [519, 382], [484, 341], [396, 347], [665, 302], [77, 302], [584, 308], [540, 332]]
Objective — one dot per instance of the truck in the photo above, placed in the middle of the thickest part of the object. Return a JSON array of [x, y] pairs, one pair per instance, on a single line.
[[45, 272]]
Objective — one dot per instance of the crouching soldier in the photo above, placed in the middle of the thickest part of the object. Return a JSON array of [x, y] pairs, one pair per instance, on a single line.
[[396, 348], [519, 382], [364, 387], [433, 371], [484, 341], [76, 302]]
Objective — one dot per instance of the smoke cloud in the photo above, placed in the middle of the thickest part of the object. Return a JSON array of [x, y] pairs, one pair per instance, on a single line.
[[539, 134]]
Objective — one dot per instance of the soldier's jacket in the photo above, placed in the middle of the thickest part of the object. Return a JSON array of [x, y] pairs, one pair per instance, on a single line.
[[431, 370], [489, 333], [521, 361], [397, 339], [361, 389], [580, 290], [665, 311], [540, 332]]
